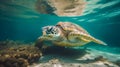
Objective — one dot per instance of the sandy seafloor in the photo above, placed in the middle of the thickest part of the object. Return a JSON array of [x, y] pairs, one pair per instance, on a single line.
[[80, 57]]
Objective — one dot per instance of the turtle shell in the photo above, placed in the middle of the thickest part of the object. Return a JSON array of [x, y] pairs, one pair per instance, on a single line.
[[75, 32], [67, 26]]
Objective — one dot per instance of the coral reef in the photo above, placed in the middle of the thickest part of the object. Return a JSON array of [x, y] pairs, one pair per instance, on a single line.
[[6, 61], [61, 7], [18, 55]]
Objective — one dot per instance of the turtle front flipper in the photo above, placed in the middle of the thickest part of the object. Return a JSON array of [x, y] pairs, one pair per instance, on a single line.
[[84, 37]]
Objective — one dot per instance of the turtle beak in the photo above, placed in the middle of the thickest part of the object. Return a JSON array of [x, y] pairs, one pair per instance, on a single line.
[[44, 33]]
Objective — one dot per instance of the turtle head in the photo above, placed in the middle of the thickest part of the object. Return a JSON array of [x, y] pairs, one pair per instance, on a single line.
[[51, 32]]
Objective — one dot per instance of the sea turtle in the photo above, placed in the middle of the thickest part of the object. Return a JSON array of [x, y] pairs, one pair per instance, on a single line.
[[67, 34]]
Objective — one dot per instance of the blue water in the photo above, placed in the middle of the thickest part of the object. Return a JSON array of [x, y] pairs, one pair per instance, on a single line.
[[20, 21]]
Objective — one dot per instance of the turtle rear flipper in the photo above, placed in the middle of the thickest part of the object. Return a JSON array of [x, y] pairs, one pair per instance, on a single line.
[[83, 37], [89, 37], [97, 41]]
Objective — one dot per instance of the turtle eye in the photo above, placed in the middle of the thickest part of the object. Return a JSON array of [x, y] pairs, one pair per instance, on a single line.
[[55, 31]]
